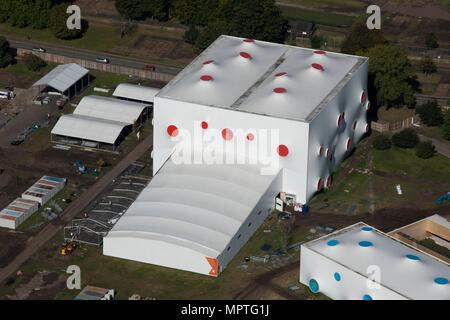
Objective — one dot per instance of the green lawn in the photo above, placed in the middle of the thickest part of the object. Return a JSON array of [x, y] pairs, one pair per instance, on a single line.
[[318, 17], [344, 4]]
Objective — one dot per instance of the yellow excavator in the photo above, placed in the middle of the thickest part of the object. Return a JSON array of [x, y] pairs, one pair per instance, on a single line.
[[67, 248]]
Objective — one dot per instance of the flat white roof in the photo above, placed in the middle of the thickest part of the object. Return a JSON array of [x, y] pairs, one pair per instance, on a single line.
[[196, 206], [261, 77], [107, 108], [135, 92], [63, 76], [404, 269], [89, 128]]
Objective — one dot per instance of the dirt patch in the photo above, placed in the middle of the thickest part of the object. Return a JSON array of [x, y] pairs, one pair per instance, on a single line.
[[44, 285], [12, 243], [9, 79]]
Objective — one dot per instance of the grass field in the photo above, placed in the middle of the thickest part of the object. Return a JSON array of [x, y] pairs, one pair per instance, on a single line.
[[318, 17]]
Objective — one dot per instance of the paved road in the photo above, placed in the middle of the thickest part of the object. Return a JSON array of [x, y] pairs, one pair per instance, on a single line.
[[90, 55], [441, 147], [49, 231]]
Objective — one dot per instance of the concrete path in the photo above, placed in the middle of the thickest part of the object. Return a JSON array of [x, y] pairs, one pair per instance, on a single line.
[[441, 147], [36, 242]]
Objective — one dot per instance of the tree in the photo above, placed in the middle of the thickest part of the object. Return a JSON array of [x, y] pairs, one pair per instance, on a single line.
[[360, 39], [425, 150], [195, 12], [58, 24], [382, 142], [431, 114], [431, 41], [33, 62], [208, 35], [392, 75], [427, 65], [6, 57], [191, 34], [407, 138], [446, 125], [23, 13], [142, 9], [317, 41]]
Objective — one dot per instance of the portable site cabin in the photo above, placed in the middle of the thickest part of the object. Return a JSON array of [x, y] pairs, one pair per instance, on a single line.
[[44, 189], [17, 212]]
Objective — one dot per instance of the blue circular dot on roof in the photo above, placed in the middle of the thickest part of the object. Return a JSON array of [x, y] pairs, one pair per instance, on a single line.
[[313, 286], [337, 276], [441, 280], [365, 244], [367, 297], [412, 257], [366, 228], [332, 243]]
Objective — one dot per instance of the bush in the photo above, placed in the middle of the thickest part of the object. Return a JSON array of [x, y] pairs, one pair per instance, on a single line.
[[407, 138], [425, 150], [191, 35], [317, 41], [446, 126], [427, 65], [382, 142], [33, 62], [431, 114]]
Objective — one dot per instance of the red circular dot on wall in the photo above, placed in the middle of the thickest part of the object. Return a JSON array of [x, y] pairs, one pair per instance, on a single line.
[[249, 40], [206, 77], [319, 52], [250, 137], [328, 182], [327, 153], [172, 130], [317, 66], [280, 74], [363, 97], [321, 151], [340, 120], [245, 55], [319, 184], [208, 62], [349, 144], [204, 125], [227, 134], [282, 150], [279, 90]]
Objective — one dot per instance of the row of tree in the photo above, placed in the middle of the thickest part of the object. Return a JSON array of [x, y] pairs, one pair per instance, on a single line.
[[207, 19], [39, 14]]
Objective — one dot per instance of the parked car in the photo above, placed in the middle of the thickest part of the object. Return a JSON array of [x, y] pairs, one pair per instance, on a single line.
[[102, 60], [38, 50]]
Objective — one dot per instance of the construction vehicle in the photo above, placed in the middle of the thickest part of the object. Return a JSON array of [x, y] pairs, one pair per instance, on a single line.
[[67, 248], [441, 199]]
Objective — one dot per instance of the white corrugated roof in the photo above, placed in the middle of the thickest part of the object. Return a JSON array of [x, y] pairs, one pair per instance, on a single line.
[[404, 269], [241, 75], [84, 127], [110, 109], [196, 206], [135, 92], [63, 76]]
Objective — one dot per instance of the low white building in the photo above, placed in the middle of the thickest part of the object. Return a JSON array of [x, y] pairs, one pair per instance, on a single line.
[[44, 189], [17, 212], [349, 263], [135, 92], [292, 114]]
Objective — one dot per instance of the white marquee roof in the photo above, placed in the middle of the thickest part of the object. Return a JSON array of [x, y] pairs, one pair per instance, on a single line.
[[404, 269], [196, 206], [242, 76], [83, 127], [135, 92], [110, 109], [63, 76]]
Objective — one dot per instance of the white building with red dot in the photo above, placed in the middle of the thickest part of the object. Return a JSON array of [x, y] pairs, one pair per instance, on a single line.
[[297, 111]]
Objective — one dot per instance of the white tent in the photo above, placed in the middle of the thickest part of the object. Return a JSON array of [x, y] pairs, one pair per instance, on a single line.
[[63, 76], [135, 92]]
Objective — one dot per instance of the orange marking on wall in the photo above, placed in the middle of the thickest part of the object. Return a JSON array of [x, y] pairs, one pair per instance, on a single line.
[[214, 263]]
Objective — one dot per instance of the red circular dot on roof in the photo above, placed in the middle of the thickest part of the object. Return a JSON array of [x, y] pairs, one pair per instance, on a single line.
[[227, 134], [321, 151], [319, 184], [319, 52], [249, 40], [206, 77], [317, 66], [279, 90], [245, 55], [282, 150], [363, 97], [208, 62], [340, 120], [280, 74], [204, 125], [172, 130], [328, 183], [349, 143], [250, 137]]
